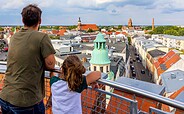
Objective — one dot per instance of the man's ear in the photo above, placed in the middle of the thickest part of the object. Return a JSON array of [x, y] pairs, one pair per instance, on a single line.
[[22, 20], [40, 21]]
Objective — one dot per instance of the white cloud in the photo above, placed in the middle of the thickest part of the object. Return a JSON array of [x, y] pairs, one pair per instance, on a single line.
[[91, 3], [170, 5], [107, 1], [10, 4], [100, 11]]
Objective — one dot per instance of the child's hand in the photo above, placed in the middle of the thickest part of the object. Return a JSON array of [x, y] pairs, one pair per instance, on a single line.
[[52, 74], [94, 85]]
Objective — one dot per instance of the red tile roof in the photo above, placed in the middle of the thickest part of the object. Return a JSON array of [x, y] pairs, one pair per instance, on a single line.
[[173, 96], [89, 26], [55, 31], [167, 61], [118, 33], [44, 31], [61, 32]]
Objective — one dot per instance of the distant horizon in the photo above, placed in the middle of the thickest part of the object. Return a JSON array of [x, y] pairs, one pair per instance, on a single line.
[[96, 24]]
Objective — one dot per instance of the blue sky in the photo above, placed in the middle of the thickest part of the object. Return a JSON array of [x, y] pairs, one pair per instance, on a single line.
[[100, 12]]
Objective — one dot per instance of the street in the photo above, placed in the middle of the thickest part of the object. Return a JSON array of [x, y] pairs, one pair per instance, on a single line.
[[138, 66]]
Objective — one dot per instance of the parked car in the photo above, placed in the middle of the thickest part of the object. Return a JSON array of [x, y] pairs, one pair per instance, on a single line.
[[133, 74], [143, 71], [131, 62], [137, 57], [131, 67]]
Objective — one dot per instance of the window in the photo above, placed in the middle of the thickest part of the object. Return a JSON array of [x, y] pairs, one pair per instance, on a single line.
[[107, 68], [94, 68], [101, 69]]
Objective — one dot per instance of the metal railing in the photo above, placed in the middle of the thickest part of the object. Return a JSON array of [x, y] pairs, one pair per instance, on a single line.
[[106, 102], [157, 111], [146, 94], [113, 97]]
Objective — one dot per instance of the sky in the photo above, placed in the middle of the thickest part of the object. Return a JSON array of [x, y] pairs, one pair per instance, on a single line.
[[100, 12]]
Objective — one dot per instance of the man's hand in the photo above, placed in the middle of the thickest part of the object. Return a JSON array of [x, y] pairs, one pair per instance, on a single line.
[[94, 85]]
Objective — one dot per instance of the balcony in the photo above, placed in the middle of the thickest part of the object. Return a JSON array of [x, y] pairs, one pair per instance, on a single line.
[[116, 98]]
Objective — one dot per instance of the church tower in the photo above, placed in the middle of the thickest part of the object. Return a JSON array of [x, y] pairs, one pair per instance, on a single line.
[[79, 25], [130, 23], [153, 24], [100, 60]]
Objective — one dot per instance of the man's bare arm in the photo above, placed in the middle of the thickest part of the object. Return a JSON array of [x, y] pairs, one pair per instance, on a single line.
[[50, 62]]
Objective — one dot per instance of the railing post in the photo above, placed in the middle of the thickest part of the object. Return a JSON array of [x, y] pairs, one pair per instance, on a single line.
[[133, 107]]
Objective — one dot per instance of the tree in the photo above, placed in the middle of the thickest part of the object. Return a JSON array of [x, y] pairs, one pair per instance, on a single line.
[[44, 27], [55, 27], [159, 30], [129, 40], [72, 27], [1, 29], [181, 32], [171, 32], [147, 28], [119, 27], [90, 30]]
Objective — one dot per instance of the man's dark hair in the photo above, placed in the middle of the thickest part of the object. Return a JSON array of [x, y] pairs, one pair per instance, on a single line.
[[31, 15]]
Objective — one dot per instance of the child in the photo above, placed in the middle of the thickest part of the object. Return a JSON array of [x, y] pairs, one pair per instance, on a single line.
[[66, 89]]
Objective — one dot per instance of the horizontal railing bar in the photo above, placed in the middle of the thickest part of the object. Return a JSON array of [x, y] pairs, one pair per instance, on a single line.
[[112, 94], [153, 96], [151, 110]]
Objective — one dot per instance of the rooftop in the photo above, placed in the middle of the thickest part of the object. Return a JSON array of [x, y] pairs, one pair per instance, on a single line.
[[156, 53], [157, 89], [173, 80], [180, 97], [174, 37]]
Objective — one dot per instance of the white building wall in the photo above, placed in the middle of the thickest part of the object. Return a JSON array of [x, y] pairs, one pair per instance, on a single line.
[[105, 70]]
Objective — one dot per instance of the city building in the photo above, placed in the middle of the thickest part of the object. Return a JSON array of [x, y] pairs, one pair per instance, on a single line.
[[170, 41], [172, 81], [151, 57], [169, 62], [99, 58], [86, 27]]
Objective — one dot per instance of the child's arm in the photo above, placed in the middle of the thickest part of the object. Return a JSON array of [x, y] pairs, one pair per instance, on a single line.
[[92, 77], [52, 74]]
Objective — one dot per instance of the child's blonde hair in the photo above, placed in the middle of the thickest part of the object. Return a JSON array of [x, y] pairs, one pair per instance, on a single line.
[[73, 69]]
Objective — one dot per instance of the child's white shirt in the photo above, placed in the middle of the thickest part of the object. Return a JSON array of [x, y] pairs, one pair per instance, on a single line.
[[65, 101]]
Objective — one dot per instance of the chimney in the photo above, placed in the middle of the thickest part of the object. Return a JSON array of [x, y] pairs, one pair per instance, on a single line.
[[173, 76], [153, 26]]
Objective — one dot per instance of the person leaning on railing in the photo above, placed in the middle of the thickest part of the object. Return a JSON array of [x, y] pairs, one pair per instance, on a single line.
[[66, 89], [30, 52]]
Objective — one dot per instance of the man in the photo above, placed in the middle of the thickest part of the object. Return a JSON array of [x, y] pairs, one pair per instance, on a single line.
[[30, 52]]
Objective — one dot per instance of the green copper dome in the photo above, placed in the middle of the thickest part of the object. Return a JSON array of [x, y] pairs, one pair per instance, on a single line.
[[100, 38], [100, 52]]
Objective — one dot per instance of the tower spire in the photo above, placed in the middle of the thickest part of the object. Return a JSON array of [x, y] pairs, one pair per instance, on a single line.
[[79, 20], [130, 22]]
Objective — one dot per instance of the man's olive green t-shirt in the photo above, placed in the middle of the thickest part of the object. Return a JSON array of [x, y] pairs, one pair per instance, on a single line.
[[24, 78]]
